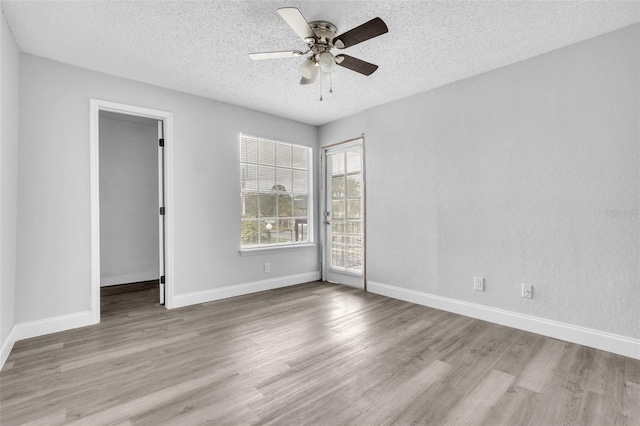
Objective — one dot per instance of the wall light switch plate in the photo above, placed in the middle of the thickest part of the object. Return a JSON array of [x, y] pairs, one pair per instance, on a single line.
[[478, 283]]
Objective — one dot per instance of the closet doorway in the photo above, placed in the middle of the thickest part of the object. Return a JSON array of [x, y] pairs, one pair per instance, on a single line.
[[129, 202]]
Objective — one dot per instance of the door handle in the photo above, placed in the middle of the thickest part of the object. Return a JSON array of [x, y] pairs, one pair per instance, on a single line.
[[328, 222]]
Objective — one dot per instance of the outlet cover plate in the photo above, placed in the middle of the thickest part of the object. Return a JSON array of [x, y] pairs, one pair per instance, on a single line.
[[527, 291], [478, 283]]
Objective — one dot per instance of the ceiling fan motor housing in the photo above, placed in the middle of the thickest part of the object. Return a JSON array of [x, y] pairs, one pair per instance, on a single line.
[[325, 33], [322, 44]]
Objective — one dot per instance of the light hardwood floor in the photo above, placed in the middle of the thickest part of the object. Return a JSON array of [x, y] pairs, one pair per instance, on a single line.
[[310, 354]]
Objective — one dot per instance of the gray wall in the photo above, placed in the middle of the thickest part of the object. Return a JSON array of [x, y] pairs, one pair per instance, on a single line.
[[9, 60], [128, 199], [53, 269], [529, 173]]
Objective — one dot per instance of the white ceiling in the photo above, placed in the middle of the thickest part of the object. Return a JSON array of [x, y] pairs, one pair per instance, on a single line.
[[201, 47]]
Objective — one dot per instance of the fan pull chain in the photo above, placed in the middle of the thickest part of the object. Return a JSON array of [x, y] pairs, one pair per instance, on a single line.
[[330, 82], [321, 86]]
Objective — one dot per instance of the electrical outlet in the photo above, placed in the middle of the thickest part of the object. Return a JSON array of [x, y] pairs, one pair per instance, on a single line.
[[478, 283], [267, 268], [527, 291]]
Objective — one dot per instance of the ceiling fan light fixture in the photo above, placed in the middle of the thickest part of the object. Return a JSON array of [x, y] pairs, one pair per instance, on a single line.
[[320, 37], [327, 62], [308, 68]]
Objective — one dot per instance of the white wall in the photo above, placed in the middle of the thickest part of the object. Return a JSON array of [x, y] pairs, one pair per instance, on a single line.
[[128, 199], [343, 130], [529, 173], [54, 206], [9, 60]]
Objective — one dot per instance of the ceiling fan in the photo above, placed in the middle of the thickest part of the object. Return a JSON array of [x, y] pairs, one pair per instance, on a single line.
[[321, 38]]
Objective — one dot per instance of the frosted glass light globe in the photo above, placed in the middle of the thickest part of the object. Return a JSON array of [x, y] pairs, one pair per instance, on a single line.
[[308, 68], [327, 62]]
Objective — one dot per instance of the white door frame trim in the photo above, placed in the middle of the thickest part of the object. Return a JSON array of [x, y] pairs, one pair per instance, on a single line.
[[95, 106]]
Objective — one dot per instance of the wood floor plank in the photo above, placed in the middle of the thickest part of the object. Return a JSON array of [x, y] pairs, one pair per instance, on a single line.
[[515, 407], [134, 349], [314, 353], [398, 393], [53, 419], [224, 398], [599, 373], [475, 406], [128, 409], [539, 371], [632, 370], [608, 377], [561, 400], [632, 403], [25, 353], [598, 409], [522, 348], [430, 408]]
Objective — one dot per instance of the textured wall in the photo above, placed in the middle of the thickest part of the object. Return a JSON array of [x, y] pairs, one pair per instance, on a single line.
[[54, 242], [529, 173], [128, 200], [343, 130], [9, 60]]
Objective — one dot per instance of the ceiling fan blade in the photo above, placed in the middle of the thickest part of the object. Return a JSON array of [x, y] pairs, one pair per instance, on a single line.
[[275, 55], [355, 64], [364, 32], [296, 21]]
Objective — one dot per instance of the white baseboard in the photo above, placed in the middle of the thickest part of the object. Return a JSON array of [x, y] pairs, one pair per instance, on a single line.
[[27, 330], [5, 350], [242, 289], [129, 278], [621, 345]]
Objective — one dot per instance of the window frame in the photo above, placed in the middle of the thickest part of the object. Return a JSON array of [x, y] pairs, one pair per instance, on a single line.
[[261, 247]]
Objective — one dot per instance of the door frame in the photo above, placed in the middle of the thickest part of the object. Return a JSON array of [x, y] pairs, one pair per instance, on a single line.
[[360, 140], [95, 106]]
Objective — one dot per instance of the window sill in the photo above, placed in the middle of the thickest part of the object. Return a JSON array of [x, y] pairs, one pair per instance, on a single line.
[[265, 250]]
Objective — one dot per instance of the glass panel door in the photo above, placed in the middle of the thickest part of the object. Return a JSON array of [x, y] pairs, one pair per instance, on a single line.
[[344, 241]]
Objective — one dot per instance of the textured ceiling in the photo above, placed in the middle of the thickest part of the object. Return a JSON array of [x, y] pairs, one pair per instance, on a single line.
[[201, 47]]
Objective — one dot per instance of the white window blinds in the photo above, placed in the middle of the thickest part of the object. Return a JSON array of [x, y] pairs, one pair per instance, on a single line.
[[275, 181]]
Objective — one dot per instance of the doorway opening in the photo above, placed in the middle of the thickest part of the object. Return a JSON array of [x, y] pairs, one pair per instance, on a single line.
[[344, 214], [131, 190]]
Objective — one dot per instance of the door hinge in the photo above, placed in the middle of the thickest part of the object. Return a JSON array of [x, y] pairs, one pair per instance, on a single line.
[[162, 279], [161, 141], [161, 211]]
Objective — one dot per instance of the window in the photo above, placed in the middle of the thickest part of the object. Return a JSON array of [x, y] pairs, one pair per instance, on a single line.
[[275, 180]]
